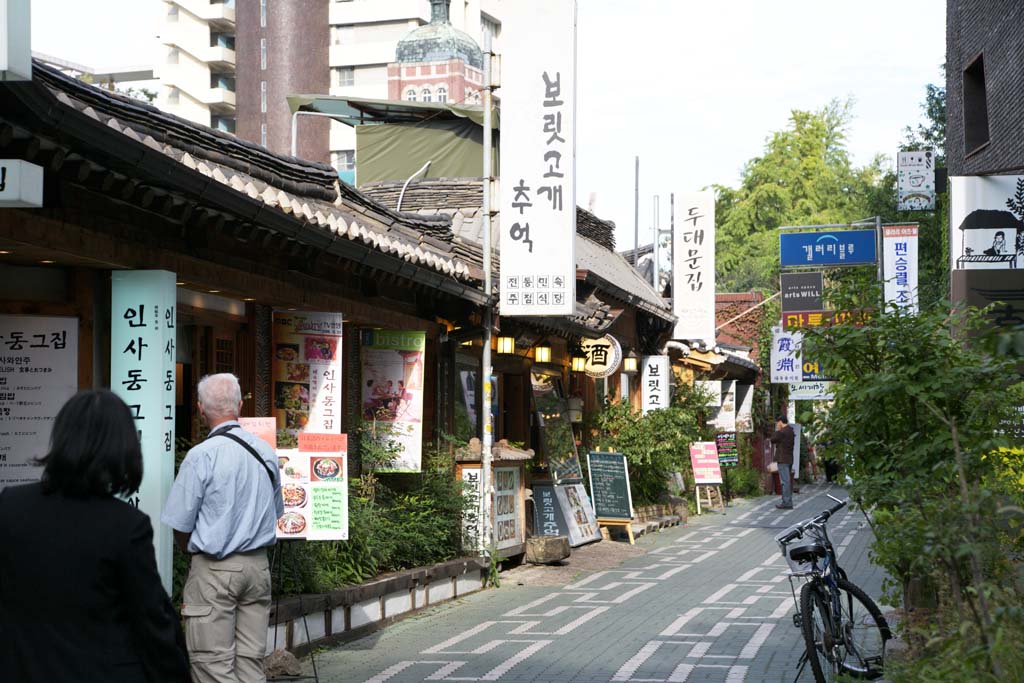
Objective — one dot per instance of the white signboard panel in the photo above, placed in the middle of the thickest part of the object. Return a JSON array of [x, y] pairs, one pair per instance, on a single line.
[[916, 180], [538, 167], [985, 214], [693, 273], [787, 360], [656, 383], [15, 40], [899, 249], [38, 374], [508, 531], [143, 330], [21, 184], [744, 408], [812, 391], [726, 420]]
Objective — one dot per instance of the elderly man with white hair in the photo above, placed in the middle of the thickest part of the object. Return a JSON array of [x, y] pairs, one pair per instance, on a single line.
[[224, 506]]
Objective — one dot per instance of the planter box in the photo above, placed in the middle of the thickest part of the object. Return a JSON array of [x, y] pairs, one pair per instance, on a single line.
[[352, 612]]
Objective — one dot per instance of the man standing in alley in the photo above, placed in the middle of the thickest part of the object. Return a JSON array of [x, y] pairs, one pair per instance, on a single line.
[[783, 440], [223, 507]]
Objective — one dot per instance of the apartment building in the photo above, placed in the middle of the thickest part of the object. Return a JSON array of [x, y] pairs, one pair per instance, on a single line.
[[197, 73]]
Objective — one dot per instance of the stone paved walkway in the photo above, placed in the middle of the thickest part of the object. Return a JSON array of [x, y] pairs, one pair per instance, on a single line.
[[704, 602]]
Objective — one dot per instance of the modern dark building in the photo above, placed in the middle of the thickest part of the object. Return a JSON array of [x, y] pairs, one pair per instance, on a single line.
[[285, 51]]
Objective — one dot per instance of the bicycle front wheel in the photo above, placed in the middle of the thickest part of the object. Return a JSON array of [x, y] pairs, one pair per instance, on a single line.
[[819, 638], [864, 634]]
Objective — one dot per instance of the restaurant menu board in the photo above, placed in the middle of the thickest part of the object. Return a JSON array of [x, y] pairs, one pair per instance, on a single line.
[[38, 374], [314, 485], [609, 485], [728, 454], [704, 458], [564, 511], [392, 390], [508, 532], [306, 374]]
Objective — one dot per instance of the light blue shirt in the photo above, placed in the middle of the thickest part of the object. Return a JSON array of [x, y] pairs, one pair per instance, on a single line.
[[224, 498]]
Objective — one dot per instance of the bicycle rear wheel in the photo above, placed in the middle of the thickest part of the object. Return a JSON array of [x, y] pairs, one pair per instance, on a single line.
[[864, 634], [819, 639]]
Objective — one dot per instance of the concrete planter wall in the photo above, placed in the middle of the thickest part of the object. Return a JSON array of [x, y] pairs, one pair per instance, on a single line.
[[350, 613]]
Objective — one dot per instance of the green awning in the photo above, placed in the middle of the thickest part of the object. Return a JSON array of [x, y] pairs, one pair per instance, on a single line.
[[356, 111]]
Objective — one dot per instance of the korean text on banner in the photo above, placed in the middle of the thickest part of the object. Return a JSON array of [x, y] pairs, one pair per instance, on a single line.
[[142, 372], [314, 485], [787, 359], [704, 458], [693, 273], [538, 159], [38, 374], [835, 248], [899, 246], [656, 383], [392, 391]]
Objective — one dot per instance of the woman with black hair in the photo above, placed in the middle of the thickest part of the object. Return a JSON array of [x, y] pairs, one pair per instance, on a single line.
[[80, 597]]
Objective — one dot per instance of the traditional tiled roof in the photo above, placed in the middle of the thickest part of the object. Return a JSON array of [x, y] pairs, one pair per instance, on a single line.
[[307, 191]]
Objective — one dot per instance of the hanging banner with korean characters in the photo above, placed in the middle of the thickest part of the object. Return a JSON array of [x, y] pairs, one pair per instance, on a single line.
[[392, 391], [656, 383], [899, 249], [915, 172], [38, 374], [834, 248], [744, 408], [693, 273], [472, 519], [508, 508], [142, 372], [819, 390], [986, 216], [704, 460], [726, 418], [538, 159], [314, 485], [306, 374], [787, 360]]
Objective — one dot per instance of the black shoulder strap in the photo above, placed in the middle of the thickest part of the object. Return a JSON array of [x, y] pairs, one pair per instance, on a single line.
[[241, 442]]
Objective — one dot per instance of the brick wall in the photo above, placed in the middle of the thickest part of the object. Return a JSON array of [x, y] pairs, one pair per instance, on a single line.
[[994, 29], [742, 332]]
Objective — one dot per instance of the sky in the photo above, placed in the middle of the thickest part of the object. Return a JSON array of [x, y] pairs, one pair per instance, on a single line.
[[694, 88]]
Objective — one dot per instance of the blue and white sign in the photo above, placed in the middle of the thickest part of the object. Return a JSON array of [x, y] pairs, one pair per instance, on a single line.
[[837, 248], [142, 355], [787, 359]]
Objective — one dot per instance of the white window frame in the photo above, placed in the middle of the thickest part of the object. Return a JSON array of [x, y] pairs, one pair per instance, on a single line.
[[349, 155], [426, 94], [263, 54], [263, 97], [263, 13], [411, 96], [442, 94], [263, 134]]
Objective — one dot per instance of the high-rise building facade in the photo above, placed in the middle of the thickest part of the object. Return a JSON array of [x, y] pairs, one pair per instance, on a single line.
[[197, 70]]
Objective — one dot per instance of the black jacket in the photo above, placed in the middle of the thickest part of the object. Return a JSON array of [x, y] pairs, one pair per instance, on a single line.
[[783, 440], [80, 597]]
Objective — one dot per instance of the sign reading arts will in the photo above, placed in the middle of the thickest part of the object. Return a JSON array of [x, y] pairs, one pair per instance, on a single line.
[[801, 291], [38, 374], [143, 321], [609, 486], [693, 273], [834, 248], [538, 159]]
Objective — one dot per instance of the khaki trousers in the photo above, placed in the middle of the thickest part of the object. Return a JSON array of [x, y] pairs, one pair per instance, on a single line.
[[227, 611]]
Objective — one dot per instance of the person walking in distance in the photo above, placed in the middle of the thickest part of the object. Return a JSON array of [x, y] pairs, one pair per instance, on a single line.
[[224, 506], [783, 439]]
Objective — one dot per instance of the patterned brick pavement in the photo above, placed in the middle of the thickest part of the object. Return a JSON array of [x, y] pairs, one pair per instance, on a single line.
[[707, 602]]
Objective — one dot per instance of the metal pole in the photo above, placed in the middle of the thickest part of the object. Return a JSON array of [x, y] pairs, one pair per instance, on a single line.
[[636, 213], [672, 249], [879, 244], [487, 437], [295, 126], [657, 236]]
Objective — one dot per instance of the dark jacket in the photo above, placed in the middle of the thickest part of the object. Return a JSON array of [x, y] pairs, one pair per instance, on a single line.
[[783, 440], [80, 597]]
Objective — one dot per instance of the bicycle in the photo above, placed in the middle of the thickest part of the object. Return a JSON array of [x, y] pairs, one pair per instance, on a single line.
[[844, 630]]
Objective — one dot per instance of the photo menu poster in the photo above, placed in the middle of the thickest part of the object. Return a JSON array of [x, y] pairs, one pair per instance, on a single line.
[[392, 390], [314, 485], [306, 374], [38, 374]]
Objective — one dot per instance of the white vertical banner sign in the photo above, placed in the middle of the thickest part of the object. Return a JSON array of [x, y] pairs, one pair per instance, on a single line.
[[744, 408], [693, 273], [538, 159], [787, 359], [726, 420], [656, 383], [143, 321], [899, 249]]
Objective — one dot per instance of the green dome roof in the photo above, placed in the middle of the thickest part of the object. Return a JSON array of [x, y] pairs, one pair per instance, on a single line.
[[439, 41]]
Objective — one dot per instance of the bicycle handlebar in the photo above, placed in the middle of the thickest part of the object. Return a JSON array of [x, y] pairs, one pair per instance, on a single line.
[[819, 519]]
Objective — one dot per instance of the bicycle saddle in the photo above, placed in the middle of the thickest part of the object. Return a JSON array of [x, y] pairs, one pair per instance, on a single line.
[[807, 552]]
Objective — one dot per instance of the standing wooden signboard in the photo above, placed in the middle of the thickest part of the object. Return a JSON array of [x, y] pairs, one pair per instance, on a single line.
[[609, 488]]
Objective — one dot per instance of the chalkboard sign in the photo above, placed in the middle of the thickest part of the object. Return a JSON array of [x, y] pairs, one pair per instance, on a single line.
[[728, 455], [564, 511], [609, 486]]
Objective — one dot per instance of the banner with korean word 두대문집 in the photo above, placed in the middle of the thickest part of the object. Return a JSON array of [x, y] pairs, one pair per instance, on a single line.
[[538, 168], [143, 334], [314, 485], [38, 374], [392, 392], [656, 383], [786, 358], [306, 374], [899, 249], [693, 273]]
